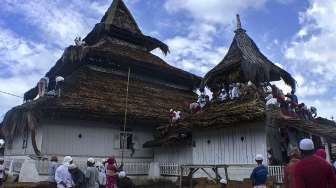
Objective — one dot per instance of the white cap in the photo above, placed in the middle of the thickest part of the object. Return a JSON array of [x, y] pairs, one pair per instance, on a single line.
[[72, 166], [91, 160], [259, 157], [223, 181], [122, 174], [67, 160], [306, 144], [59, 79]]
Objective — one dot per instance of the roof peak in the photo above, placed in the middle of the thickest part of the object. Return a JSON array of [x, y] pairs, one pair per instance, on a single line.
[[239, 27], [119, 16]]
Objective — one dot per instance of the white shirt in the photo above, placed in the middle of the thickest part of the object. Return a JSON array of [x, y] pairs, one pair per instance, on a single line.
[[62, 174]]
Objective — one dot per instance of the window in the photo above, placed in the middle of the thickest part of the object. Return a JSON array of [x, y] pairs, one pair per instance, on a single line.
[[128, 135]]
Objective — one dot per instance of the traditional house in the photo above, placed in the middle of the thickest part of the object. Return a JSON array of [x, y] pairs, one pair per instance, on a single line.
[[233, 132], [115, 93]]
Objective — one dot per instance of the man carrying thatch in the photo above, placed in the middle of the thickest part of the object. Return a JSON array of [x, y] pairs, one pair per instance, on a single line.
[[259, 173]]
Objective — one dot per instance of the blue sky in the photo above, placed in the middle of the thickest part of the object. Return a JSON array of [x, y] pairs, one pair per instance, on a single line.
[[298, 35]]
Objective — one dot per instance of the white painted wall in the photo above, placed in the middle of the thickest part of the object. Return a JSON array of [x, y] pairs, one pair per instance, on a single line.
[[98, 139], [226, 146], [177, 154], [17, 145]]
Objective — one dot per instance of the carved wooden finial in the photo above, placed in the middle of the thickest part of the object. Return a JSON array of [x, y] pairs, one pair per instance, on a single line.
[[238, 22]]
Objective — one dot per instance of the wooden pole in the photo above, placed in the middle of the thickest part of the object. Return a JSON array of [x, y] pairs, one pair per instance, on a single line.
[[226, 173], [125, 117], [181, 176], [191, 177]]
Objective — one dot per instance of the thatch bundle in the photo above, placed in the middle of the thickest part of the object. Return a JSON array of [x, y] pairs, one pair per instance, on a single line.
[[229, 113]]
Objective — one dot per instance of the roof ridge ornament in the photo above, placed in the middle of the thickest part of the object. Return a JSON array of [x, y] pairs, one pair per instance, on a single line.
[[239, 27], [238, 22]]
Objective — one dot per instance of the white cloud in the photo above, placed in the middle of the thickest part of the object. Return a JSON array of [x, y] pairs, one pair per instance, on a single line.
[[213, 11], [315, 42], [198, 51], [311, 53], [24, 63], [58, 21], [195, 52], [57, 24]]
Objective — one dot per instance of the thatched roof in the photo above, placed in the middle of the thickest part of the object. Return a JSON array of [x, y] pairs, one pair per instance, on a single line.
[[118, 22], [234, 113], [170, 136], [319, 126], [96, 80], [229, 114], [119, 16], [244, 62], [93, 94]]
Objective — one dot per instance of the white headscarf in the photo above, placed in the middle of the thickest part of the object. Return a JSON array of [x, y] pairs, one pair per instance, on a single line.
[[67, 160]]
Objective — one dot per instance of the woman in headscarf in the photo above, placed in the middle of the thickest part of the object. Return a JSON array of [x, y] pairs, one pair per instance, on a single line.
[[111, 173]]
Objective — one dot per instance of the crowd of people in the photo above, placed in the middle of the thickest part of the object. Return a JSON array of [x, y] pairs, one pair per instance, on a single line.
[[289, 104], [307, 168], [106, 174], [271, 94]]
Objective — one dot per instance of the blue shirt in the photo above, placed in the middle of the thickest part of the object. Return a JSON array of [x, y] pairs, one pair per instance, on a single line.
[[294, 98], [259, 175]]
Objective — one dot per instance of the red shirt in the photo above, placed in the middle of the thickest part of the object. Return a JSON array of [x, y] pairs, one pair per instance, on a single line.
[[289, 173], [314, 172]]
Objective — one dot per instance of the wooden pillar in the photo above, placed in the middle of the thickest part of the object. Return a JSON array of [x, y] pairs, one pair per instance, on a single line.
[[191, 172], [181, 176], [217, 175], [326, 148], [226, 173]]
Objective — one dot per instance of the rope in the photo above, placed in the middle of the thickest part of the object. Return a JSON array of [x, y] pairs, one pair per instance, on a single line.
[[125, 117], [11, 94]]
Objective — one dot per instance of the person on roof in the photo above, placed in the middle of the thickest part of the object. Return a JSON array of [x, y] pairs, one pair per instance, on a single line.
[[63, 177], [294, 103], [259, 173], [312, 171], [202, 99], [294, 156], [312, 112], [223, 96], [235, 91]]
